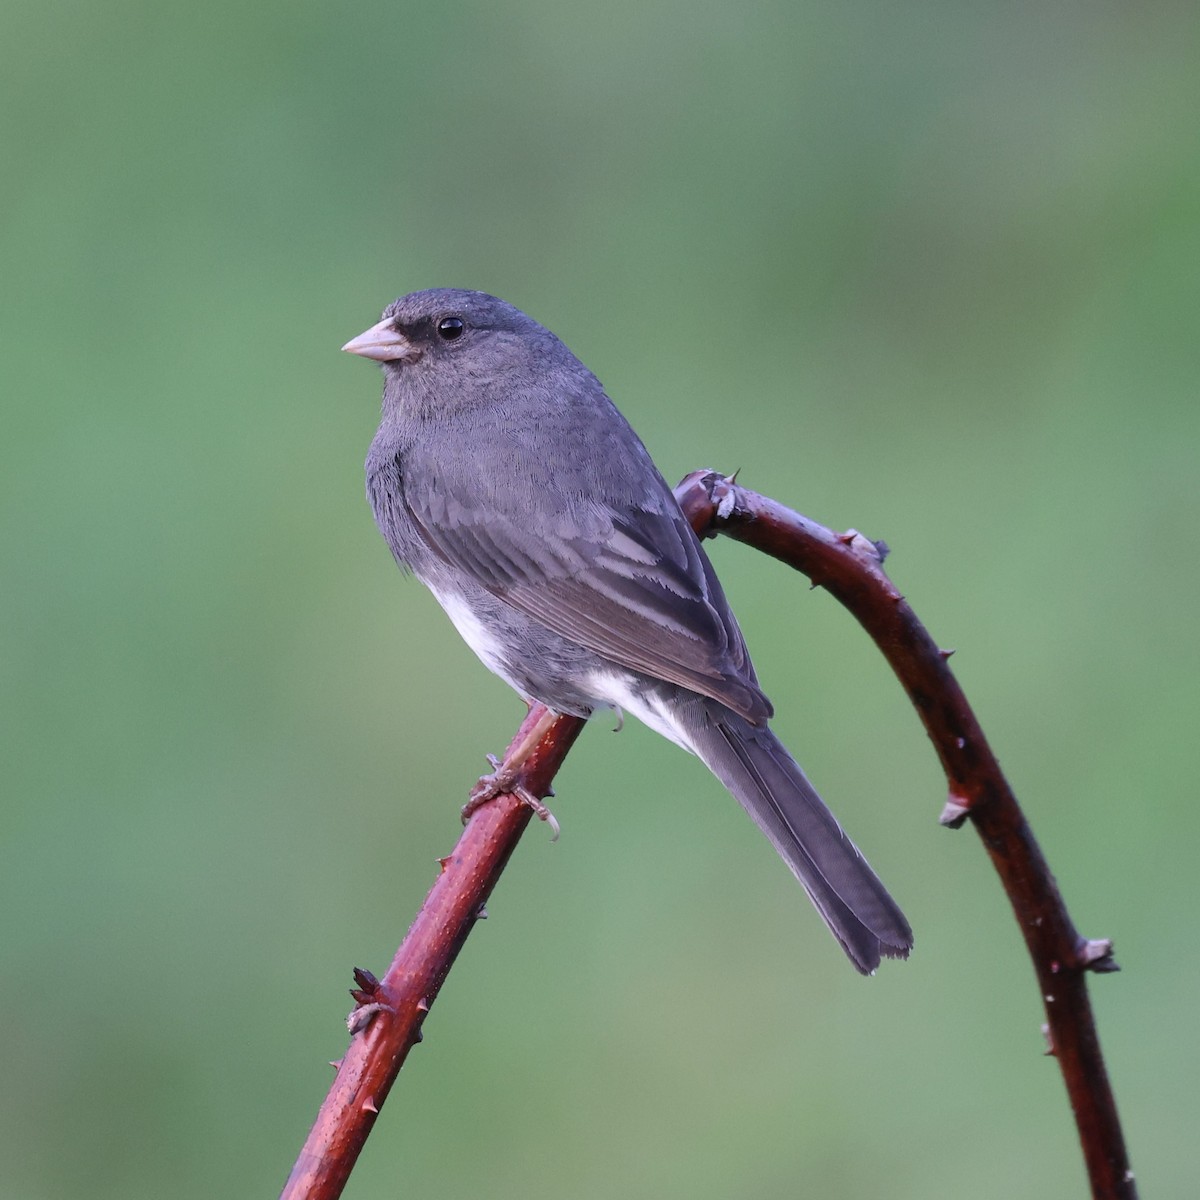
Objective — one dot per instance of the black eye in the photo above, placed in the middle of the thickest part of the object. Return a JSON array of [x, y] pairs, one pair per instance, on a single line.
[[451, 328]]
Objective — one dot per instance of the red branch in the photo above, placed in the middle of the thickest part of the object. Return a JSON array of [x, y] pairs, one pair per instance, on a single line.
[[850, 568], [388, 1021], [405, 993]]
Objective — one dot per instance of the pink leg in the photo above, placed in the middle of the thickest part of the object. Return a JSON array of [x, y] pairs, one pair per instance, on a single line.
[[504, 779]]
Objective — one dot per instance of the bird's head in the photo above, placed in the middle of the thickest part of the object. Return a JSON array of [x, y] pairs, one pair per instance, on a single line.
[[450, 348]]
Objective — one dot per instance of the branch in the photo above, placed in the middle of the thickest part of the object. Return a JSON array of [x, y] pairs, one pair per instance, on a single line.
[[392, 1010], [387, 1023], [849, 566]]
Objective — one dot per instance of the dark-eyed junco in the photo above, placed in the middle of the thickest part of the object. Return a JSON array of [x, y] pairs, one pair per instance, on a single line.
[[504, 478]]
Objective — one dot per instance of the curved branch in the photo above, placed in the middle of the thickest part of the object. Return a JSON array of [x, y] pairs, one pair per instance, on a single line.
[[850, 567]]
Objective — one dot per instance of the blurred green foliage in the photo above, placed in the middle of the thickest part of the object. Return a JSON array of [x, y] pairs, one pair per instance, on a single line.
[[929, 270]]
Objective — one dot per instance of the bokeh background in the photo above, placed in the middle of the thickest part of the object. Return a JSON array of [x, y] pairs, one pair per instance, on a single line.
[[928, 270]]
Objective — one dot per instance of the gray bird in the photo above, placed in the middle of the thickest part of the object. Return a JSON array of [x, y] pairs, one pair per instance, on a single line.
[[505, 479]]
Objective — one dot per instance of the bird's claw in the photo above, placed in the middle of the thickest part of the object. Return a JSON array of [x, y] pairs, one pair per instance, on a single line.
[[503, 781], [539, 810], [489, 787]]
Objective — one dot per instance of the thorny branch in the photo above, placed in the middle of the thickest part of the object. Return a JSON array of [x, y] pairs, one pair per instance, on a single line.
[[387, 1023], [393, 1009]]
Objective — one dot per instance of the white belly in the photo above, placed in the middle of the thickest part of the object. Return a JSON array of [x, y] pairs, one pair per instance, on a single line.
[[614, 691], [473, 631]]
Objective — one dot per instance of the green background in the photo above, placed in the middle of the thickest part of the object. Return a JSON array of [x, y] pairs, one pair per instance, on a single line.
[[928, 270]]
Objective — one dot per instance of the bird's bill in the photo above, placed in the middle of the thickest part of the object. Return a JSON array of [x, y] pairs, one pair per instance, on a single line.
[[382, 343]]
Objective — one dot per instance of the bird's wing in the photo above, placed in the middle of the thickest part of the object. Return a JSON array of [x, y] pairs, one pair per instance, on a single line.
[[632, 585]]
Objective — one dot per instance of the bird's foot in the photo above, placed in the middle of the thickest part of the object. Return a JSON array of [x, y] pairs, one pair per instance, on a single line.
[[504, 781]]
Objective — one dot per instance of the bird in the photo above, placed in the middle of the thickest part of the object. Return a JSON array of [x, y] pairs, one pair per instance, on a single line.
[[504, 478]]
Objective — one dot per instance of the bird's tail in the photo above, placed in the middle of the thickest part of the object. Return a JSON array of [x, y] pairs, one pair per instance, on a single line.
[[763, 777]]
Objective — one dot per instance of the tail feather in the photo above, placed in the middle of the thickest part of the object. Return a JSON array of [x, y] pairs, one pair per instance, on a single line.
[[764, 778]]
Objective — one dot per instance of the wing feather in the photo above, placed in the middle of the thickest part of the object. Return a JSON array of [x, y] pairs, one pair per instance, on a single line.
[[633, 586]]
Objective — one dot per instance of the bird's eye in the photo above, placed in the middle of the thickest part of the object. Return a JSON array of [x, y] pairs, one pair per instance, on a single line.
[[451, 328]]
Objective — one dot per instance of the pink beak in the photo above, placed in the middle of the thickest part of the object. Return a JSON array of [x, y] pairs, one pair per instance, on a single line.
[[382, 343]]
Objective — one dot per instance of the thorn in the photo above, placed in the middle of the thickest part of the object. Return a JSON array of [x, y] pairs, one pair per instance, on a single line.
[[481, 913], [946, 653], [336, 1063], [620, 721], [863, 548], [728, 501], [1096, 955], [365, 979], [369, 1105], [417, 1036], [359, 1018], [492, 761], [733, 478], [444, 863], [895, 597], [422, 1005], [955, 813], [1050, 1051]]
